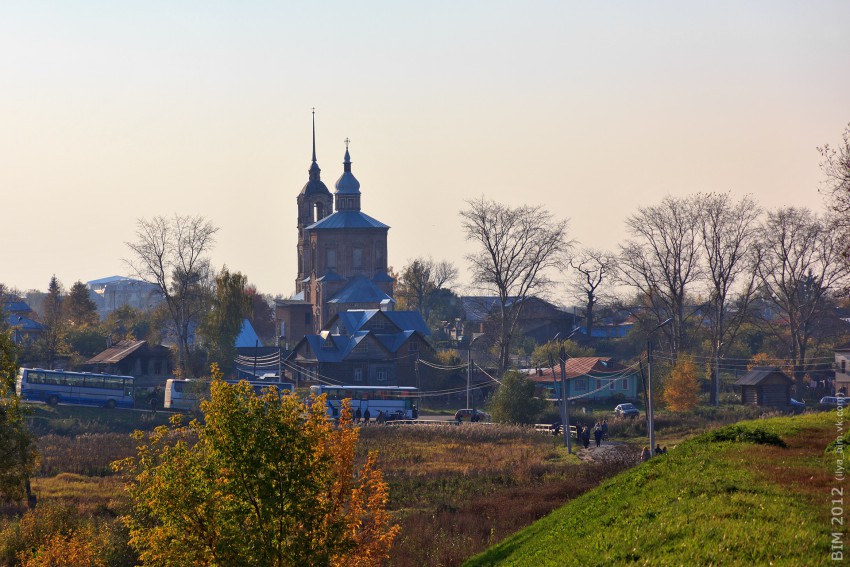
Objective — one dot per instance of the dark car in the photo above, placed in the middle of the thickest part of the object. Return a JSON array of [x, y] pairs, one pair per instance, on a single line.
[[626, 410]]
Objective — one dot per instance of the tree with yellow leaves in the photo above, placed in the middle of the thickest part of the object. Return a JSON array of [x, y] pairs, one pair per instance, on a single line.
[[262, 481], [681, 390]]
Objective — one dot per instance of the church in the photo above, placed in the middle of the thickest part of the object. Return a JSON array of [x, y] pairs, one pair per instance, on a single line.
[[341, 323]]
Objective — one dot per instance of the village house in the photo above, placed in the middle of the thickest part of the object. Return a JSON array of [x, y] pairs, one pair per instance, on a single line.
[[592, 378], [765, 386]]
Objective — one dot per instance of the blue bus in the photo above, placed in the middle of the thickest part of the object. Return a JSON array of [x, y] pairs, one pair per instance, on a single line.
[[81, 388], [392, 402]]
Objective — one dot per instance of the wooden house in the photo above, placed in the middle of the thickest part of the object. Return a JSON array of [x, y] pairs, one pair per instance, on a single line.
[[765, 386]]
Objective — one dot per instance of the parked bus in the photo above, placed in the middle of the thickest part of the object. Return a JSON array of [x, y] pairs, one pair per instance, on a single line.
[[186, 394], [82, 388], [395, 402]]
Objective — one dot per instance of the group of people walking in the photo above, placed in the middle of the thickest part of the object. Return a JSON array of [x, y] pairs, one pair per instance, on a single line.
[[600, 432]]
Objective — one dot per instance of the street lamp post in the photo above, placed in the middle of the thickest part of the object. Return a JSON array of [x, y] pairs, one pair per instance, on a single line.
[[650, 416]]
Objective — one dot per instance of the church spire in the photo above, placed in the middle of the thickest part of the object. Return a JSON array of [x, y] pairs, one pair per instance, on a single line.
[[315, 172], [346, 162]]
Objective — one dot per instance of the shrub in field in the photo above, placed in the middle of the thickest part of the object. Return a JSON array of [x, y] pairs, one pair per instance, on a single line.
[[741, 434], [57, 534], [514, 401]]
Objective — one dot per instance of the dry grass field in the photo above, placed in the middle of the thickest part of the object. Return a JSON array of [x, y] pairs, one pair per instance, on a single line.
[[454, 490]]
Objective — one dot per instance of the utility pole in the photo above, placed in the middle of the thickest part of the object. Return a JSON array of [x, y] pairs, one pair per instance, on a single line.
[[474, 337], [279, 359], [565, 401], [650, 416]]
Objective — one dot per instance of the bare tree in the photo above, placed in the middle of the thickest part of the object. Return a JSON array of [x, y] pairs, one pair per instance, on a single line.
[[419, 279], [836, 185], [445, 274], [171, 254], [662, 261], [799, 268], [516, 248], [592, 268], [727, 231]]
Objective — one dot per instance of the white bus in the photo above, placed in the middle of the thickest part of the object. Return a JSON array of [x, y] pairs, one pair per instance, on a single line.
[[186, 394], [394, 402], [81, 388]]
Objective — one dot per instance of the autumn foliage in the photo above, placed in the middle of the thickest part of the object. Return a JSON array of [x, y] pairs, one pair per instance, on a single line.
[[262, 481], [681, 390]]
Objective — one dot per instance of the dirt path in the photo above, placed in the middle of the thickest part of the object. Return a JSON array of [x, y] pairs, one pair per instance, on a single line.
[[609, 450]]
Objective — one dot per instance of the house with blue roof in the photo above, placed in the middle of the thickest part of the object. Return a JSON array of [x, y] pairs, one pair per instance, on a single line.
[[21, 319], [363, 347]]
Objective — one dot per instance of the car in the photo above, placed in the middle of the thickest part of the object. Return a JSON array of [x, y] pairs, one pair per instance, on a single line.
[[832, 401], [626, 410], [473, 415], [797, 405]]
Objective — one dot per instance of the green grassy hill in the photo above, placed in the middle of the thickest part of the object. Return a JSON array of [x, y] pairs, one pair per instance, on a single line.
[[756, 493]]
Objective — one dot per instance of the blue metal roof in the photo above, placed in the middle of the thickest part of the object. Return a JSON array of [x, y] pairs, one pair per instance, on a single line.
[[247, 336], [360, 290], [394, 341], [346, 219], [408, 320], [331, 276], [336, 347], [23, 323], [315, 187], [354, 319], [383, 277], [16, 307]]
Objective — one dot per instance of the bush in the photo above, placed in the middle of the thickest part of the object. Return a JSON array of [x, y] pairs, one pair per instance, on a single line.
[[741, 434]]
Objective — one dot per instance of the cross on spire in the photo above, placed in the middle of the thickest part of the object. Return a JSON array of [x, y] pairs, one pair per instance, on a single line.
[[347, 141]]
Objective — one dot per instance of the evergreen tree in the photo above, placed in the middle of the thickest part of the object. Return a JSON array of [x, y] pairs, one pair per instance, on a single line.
[[80, 310], [52, 342]]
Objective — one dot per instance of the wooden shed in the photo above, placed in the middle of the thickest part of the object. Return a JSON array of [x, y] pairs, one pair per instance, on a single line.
[[765, 386]]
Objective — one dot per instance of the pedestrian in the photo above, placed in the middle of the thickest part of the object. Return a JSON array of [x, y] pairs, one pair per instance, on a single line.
[[357, 415], [664, 450], [578, 432], [152, 400], [597, 434], [380, 419], [585, 437], [605, 429], [645, 455], [658, 448], [366, 416]]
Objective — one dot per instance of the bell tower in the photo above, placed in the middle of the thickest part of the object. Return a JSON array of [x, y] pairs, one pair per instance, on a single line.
[[315, 202]]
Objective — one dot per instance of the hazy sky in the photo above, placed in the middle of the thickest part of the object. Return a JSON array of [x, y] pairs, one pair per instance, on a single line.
[[112, 111]]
